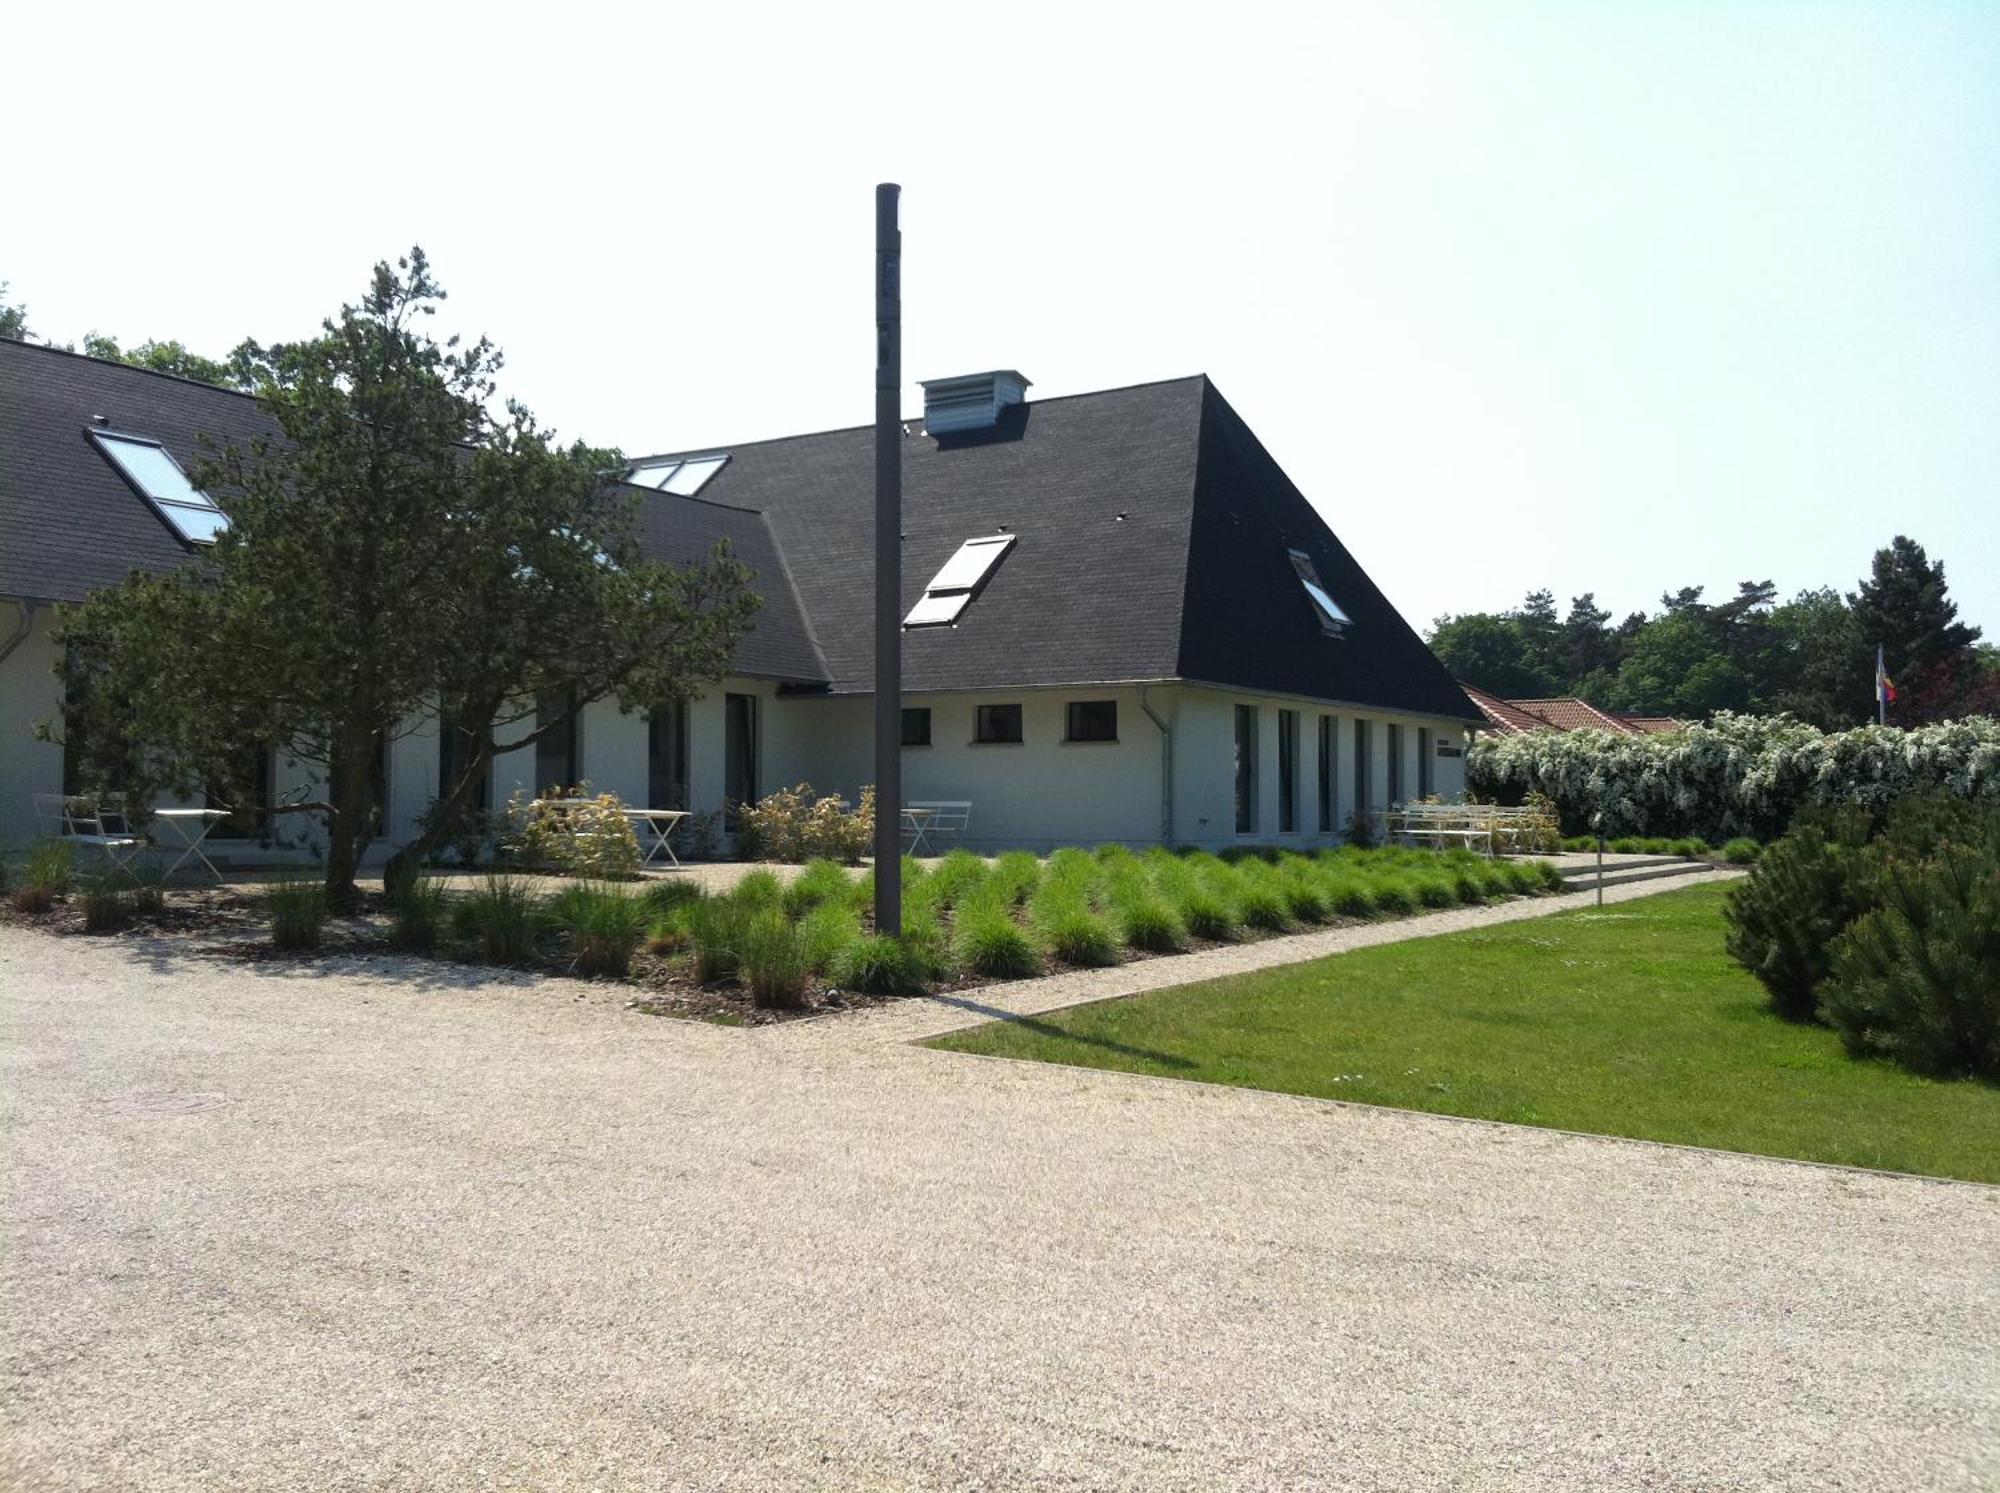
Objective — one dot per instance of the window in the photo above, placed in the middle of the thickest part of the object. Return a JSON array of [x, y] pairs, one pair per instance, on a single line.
[[1246, 769], [244, 789], [1363, 766], [1332, 620], [964, 575], [1328, 771], [667, 756], [1288, 772], [556, 753], [916, 725], [1395, 764], [997, 724], [1092, 720], [378, 786], [681, 478], [739, 750], [1424, 764], [455, 747], [158, 478]]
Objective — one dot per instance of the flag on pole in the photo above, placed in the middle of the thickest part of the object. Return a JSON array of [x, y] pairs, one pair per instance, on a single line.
[[1885, 687]]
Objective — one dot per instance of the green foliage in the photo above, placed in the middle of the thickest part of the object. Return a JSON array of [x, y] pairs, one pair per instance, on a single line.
[[760, 889], [298, 910], [574, 831], [775, 960], [1150, 923], [826, 932], [406, 542], [1076, 935], [1917, 979], [879, 965], [105, 904], [603, 926], [44, 877], [418, 903], [501, 921], [797, 824], [715, 927], [1741, 851], [13, 318], [989, 942], [823, 880], [1784, 917]]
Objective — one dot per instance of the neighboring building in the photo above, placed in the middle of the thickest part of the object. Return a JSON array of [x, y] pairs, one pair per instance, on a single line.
[[1123, 622], [1561, 713]]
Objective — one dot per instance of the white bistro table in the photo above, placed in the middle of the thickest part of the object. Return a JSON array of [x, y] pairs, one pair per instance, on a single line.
[[191, 827], [917, 823], [661, 824]]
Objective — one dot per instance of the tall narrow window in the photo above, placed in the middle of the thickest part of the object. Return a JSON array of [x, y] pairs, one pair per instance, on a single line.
[[1364, 801], [1246, 769], [739, 748], [1395, 763], [1288, 772], [667, 756], [556, 763], [1424, 764], [1328, 771], [244, 790], [455, 748]]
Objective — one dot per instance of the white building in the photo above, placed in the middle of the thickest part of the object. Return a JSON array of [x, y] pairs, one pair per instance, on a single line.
[[1123, 621]]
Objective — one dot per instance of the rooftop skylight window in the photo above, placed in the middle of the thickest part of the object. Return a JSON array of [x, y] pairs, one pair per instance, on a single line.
[[1332, 620], [158, 478], [951, 590], [681, 478]]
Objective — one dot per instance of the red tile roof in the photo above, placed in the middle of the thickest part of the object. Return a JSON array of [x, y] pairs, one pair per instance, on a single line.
[[1503, 716], [1653, 725], [1568, 713]]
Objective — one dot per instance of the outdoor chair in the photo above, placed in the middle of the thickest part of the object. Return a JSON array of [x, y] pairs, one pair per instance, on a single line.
[[77, 820]]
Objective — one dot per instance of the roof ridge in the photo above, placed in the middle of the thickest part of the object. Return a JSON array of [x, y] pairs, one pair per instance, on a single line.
[[719, 448], [120, 363]]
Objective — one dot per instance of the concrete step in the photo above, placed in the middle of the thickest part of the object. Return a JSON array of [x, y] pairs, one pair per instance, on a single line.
[[1652, 868]]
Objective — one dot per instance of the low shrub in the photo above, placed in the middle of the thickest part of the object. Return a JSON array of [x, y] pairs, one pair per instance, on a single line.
[[879, 965], [1742, 851], [1469, 887], [1627, 845], [1436, 891], [1917, 979], [798, 824], [1015, 875], [1579, 842], [989, 942], [297, 908], [146, 892], [669, 896], [1549, 875], [774, 960], [574, 831], [501, 921], [1690, 846], [822, 880], [603, 926], [1394, 896], [760, 889], [715, 929], [1206, 915], [1351, 897], [1262, 905], [1784, 917], [666, 934]]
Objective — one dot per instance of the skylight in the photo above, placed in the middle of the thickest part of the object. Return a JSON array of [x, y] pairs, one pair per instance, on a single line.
[[953, 587], [1332, 620], [681, 478], [158, 477]]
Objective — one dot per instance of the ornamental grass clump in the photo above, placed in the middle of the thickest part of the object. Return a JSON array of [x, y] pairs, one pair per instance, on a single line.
[[987, 941], [1150, 923], [879, 965], [105, 905], [1015, 876], [822, 881], [501, 921], [297, 907], [774, 960], [420, 914], [1394, 895], [1741, 851], [44, 878], [603, 927], [1435, 891], [1076, 935], [957, 875], [826, 933], [715, 930], [1351, 897]]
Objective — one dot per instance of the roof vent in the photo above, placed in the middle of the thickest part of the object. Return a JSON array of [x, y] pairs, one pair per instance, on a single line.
[[971, 401]]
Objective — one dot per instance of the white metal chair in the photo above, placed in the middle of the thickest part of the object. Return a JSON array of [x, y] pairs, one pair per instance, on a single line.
[[942, 819], [77, 820]]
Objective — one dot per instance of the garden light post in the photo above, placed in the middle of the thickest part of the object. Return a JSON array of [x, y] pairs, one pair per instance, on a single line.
[[888, 562]]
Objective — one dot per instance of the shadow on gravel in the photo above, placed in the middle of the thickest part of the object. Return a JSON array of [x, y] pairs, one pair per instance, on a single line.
[[1050, 1029], [166, 956]]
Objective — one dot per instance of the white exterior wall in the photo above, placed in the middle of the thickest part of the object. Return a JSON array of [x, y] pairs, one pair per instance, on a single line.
[[1040, 793]]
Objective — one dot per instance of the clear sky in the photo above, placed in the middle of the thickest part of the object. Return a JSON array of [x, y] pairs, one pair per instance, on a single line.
[[1600, 296]]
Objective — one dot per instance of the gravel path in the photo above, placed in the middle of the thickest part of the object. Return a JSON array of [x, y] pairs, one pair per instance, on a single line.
[[299, 1227]]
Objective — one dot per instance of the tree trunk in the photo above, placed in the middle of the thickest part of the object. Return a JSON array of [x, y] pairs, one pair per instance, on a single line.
[[409, 859], [348, 827]]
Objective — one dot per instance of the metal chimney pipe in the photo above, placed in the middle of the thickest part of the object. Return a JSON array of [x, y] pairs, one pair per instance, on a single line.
[[888, 562]]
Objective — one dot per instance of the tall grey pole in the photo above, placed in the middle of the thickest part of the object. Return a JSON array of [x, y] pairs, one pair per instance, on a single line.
[[888, 562]]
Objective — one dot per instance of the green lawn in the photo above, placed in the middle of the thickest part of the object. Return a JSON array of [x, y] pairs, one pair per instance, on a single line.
[[1630, 1021]]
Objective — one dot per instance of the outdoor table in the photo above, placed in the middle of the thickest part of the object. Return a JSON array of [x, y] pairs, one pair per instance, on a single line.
[[916, 824], [662, 823], [203, 822]]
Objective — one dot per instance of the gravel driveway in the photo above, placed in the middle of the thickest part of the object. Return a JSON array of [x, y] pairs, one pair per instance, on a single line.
[[276, 1227]]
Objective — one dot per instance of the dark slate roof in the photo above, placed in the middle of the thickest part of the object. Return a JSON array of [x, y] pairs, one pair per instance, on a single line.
[[1153, 531], [70, 525]]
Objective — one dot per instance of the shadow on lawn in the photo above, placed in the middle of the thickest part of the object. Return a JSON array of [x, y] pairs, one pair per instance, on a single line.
[[1050, 1029]]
